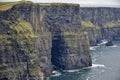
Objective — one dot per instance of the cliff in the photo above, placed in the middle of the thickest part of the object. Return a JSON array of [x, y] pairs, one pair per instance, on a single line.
[[37, 37], [106, 19]]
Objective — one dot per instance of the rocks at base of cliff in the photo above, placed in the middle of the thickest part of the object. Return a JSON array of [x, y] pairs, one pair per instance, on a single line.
[[109, 43]]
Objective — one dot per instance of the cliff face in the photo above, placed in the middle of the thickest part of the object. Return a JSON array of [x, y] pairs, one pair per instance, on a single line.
[[69, 51], [100, 15], [93, 31], [108, 21], [37, 36]]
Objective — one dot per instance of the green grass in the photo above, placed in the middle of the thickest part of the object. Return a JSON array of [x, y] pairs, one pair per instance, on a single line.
[[7, 5], [112, 24], [88, 24], [20, 33]]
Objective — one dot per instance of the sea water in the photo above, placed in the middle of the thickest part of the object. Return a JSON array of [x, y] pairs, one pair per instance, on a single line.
[[106, 65]]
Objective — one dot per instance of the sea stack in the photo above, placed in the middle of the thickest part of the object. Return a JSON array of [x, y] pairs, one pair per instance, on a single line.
[[109, 43]]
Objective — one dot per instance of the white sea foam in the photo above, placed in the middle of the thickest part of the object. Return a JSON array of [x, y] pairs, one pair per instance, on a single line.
[[97, 65], [56, 73], [103, 42], [93, 66], [98, 45], [114, 46], [93, 47], [74, 70]]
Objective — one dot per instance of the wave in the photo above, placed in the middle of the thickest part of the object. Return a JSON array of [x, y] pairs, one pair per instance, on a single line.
[[98, 45], [97, 65], [56, 73], [74, 70], [114, 46], [93, 47], [93, 66], [103, 42]]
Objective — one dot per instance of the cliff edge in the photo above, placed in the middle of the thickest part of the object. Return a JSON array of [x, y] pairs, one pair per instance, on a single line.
[[34, 37]]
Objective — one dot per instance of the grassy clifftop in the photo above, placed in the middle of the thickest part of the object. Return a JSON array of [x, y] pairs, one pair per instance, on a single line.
[[7, 5]]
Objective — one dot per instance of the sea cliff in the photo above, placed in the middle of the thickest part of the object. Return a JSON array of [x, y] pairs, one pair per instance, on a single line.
[[36, 38]]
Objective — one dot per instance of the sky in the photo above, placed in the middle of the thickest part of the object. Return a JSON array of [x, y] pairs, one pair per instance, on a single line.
[[82, 2]]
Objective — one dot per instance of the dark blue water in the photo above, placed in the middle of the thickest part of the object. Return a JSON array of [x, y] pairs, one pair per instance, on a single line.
[[106, 65]]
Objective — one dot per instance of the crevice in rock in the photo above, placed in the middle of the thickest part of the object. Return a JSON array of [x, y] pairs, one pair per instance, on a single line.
[[57, 50]]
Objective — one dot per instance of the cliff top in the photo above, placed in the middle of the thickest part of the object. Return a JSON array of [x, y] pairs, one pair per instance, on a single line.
[[7, 5]]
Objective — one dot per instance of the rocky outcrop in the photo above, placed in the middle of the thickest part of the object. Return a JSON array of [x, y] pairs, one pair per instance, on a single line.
[[69, 51], [93, 31], [108, 21], [37, 36], [109, 43]]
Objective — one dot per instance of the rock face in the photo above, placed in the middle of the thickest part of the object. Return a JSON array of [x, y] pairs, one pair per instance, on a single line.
[[109, 43], [93, 31], [34, 37], [69, 44], [106, 19]]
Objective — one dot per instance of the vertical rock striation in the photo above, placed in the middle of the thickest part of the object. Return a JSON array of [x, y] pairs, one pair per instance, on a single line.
[[69, 44], [108, 21], [37, 36]]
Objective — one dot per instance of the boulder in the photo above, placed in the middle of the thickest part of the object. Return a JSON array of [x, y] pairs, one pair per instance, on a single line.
[[109, 43]]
